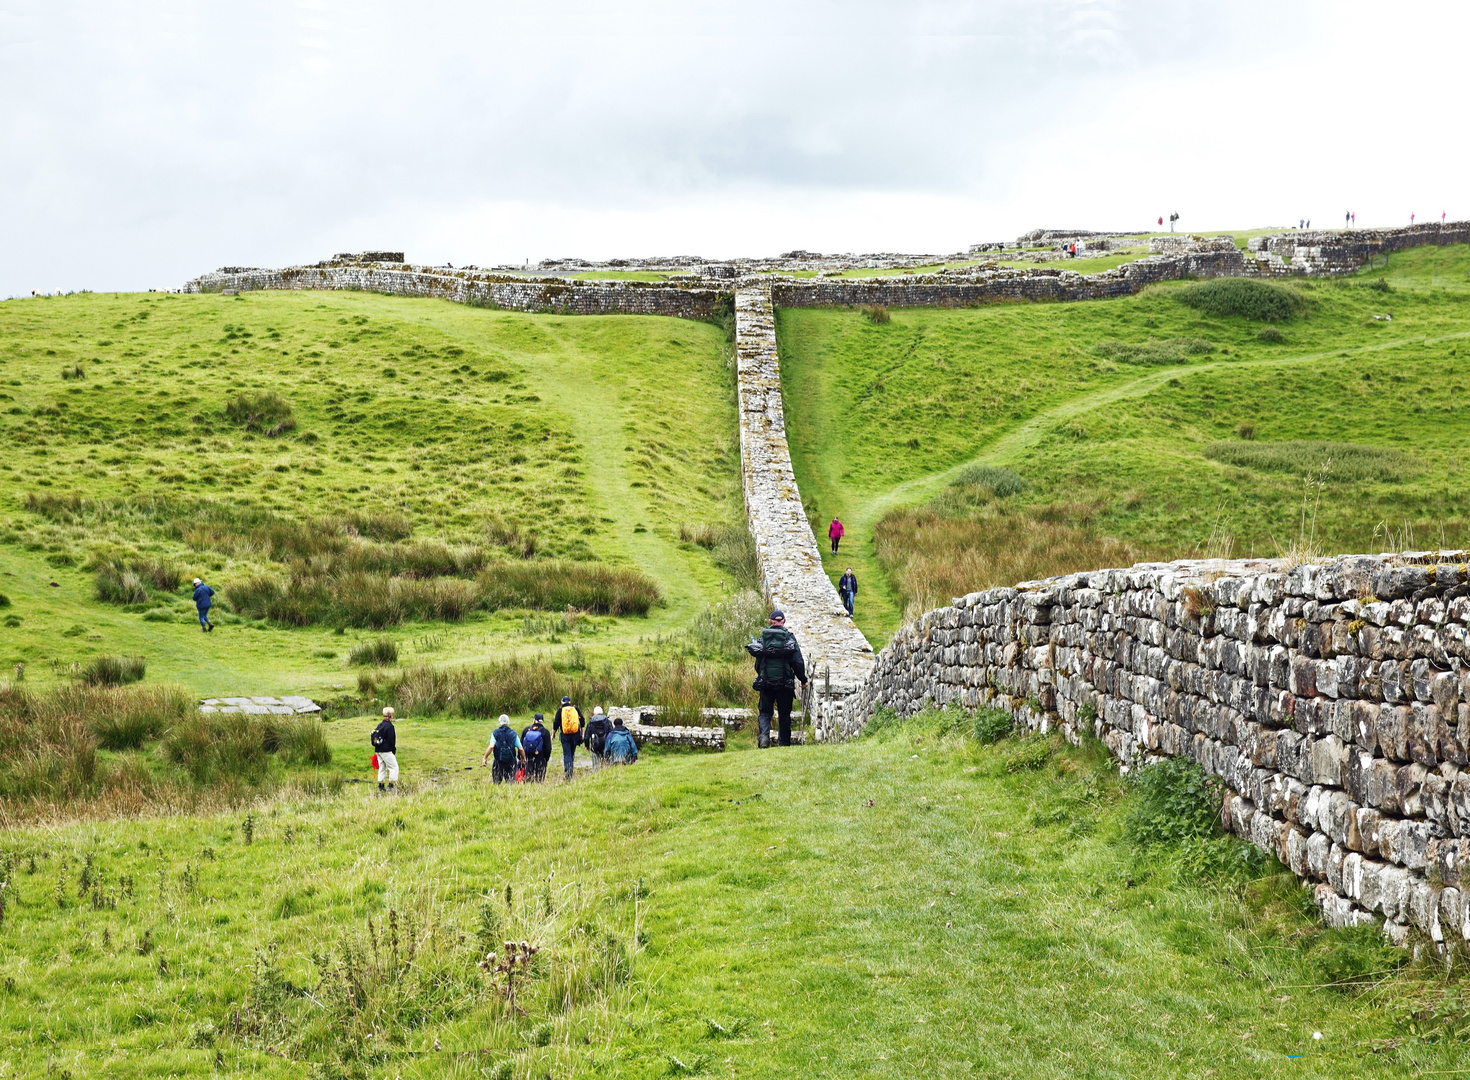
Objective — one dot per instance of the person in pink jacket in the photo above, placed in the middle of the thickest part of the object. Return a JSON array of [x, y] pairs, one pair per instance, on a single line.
[[835, 533]]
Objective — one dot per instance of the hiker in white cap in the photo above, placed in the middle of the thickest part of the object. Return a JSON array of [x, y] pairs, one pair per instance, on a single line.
[[203, 598], [385, 742]]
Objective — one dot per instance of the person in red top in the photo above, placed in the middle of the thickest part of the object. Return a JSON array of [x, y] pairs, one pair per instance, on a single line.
[[835, 533]]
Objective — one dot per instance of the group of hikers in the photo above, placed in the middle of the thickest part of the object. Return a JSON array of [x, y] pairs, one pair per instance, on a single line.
[[523, 756]]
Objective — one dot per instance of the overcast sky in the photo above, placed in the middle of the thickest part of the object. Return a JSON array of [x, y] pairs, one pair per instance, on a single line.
[[143, 143]]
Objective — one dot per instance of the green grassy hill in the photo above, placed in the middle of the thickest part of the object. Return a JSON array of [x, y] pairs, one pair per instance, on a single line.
[[587, 439], [911, 903], [1124, 439]]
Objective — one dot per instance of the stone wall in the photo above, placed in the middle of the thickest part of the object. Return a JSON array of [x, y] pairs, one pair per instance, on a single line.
[[512, 293], [838, 657], [1332, 701]]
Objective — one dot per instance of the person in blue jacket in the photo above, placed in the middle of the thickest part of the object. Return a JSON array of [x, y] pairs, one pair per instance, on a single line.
[[203, 598], [620, 749]]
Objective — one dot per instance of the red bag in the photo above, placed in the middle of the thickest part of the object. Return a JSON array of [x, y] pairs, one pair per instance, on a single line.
[[520, 774], [374, 765]]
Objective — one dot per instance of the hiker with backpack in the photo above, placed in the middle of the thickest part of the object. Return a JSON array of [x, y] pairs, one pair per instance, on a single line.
[[536, 742], [622, 749], [203, 600], [506, 746], [385, 744], [568, 723], [598, 729], [778, 668]]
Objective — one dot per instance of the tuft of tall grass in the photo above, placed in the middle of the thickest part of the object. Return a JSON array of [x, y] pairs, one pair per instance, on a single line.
[[722, 629], [264, 411], [127, 579], [1168, 351], [1246, 298], [519, 686], [113, 670], [553, 584], [215, 746], [73, 372], [931, 557], [877, 314], [377, 653], [302, 741], [1350, 461]]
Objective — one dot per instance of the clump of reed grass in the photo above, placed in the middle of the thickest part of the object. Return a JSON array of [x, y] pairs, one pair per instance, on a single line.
[[877, 314], [378, 652], [553, 585], [263, 411], [128, 579], [73, 372], [732, 547], [1350, 461], [932, 557], [1152, 351], [113, 670], [722, 629], [519, 686]]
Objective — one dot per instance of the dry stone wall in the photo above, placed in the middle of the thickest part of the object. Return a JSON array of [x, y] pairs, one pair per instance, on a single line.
[[1332, 701], [838, 657], [512, 293]]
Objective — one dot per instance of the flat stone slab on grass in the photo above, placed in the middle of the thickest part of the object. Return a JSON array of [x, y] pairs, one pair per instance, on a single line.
[[291, 705]]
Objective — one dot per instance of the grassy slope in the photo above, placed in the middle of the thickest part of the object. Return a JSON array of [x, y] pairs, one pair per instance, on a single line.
[[977, 922], [601, 434], [882, 416]]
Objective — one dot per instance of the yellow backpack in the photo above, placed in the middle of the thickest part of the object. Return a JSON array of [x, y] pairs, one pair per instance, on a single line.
[[568, 721]]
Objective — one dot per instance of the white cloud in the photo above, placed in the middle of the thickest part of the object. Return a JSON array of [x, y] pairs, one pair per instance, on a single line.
[[147, 142]]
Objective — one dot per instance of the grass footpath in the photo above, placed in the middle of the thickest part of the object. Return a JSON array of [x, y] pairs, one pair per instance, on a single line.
[[188, 431], [1113, 414], [913, 903]]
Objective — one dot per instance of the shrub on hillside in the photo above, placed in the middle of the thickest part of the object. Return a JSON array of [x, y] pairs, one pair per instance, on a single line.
[[1271, 335], [377, 653], [1172, 801], [877, 314], [113, 670], [264, 411], [127, 579], [1350, 461], [992, 725], [4, 600], [1001, 482], [1246, 298]]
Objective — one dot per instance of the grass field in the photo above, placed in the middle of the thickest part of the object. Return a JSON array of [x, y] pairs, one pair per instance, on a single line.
[[587, 439], [912, 903], [1117, 429]]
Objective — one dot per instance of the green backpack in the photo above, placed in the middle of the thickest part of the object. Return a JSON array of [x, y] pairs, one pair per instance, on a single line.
[[774, 663]]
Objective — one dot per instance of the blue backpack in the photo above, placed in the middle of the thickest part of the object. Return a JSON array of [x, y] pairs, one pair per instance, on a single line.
[[533, 741], [505, 745]]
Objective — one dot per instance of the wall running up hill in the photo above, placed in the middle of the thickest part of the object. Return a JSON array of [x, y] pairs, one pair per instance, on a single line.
[[837, 655], [1332, 701]]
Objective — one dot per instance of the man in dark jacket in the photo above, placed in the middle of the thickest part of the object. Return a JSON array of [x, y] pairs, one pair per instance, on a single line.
[[203, 598], [778, 668], [598, 729], [536, 742], [568, 724], [847, 589], [505, 746], [385, 742]]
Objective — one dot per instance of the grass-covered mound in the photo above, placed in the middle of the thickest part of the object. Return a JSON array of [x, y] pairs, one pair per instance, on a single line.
[[348, 461], [1120, 461], [912, 901], [1244, 298]]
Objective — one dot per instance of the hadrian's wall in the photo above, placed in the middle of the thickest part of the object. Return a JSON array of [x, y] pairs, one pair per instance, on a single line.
[[1332, 701], [555, 295], [838, 657]]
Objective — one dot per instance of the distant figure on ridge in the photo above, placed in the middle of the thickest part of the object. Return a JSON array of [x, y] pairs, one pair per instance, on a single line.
[[536, 742], [568, 724], [835, 533], [598, 729], [847, 589], [622, 749], [203, 598], [385, 742], [506, 745], [778, 668]]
